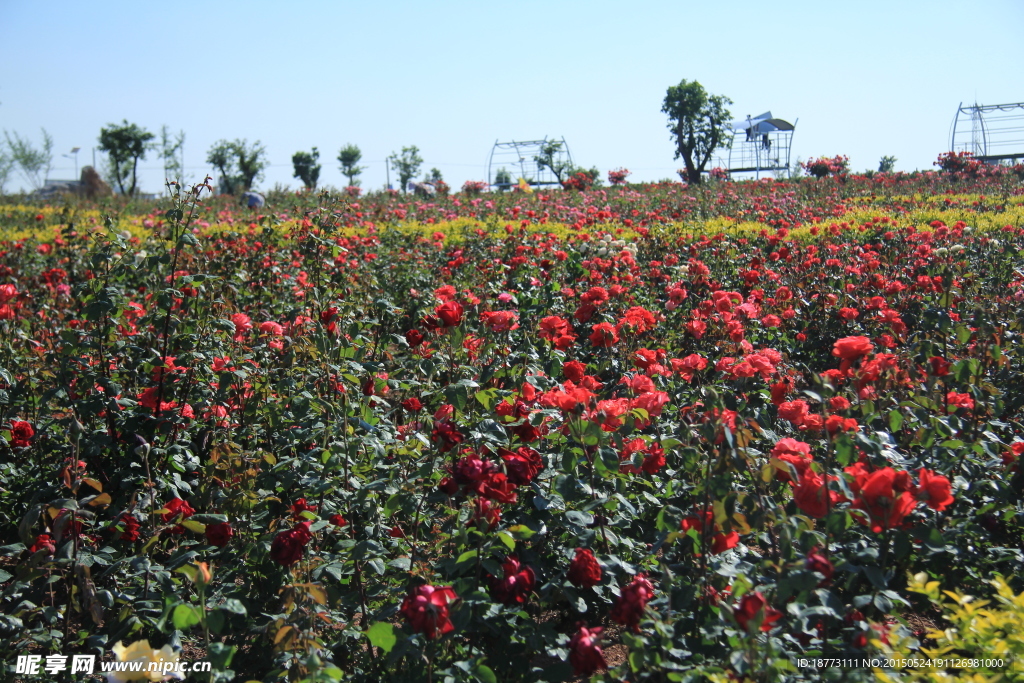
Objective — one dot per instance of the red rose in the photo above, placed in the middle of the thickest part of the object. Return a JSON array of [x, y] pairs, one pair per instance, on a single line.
[[574, 371], [301, 506], [426, 610], [603, 335], [21, 432], [286, 548], [885, 505], [219, 534], [414, 337], [522, 465], [816, 562], [500, 321], [450, 313], [517, 581], [810, 494], [852, 348], [175, 507], [632, 601], [752, 605], [413, 405], [44, 542], [584, 652], [934, 490], [796, 453], [338, 520], [584, 570], [131, 528]]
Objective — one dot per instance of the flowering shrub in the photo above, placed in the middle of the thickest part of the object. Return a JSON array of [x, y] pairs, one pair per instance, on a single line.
[[578, 181], [826, 166], [659, 431], [618, 176], [474, 187]]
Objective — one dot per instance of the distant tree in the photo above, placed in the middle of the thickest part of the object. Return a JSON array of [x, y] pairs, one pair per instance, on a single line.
[[502, 178], [434, 176], [887, 164], [349, 157], [171, 151], [240, 165], [251, 162], [125, 144], [698, 124], [306, 168], [33, 164], [407, 164], [6, 166], [549, 158]]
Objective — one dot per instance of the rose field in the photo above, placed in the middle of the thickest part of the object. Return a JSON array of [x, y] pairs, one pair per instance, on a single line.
[[735, 431]]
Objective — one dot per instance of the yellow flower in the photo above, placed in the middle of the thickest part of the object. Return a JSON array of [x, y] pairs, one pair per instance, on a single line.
[[141, 651]]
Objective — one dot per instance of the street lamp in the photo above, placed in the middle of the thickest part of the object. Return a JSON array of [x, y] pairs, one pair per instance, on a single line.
[[73, 154]]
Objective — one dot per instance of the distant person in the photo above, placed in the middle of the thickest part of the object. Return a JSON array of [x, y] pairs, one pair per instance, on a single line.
[[253, 200]]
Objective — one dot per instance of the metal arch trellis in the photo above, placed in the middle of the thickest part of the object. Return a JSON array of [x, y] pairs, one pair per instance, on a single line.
[[760, 143], [518, 158], [995, 133]]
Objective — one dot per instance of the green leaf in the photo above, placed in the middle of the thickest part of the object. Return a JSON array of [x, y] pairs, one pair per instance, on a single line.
[[507, 539], [382, 635], [192, 525], [895, 420], [484, 674], [185, 617]]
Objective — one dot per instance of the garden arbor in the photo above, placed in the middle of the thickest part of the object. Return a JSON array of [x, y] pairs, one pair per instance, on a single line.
[[519, 159], [760, 143], [990, 132]]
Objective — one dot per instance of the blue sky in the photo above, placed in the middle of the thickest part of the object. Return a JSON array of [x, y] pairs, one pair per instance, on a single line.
[[865, 79]]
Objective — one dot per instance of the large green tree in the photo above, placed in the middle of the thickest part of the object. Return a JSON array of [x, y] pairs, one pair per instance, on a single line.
[[407, 165], [239, 163], [306, 168], [125, 144], [349, 158], [698, 122]]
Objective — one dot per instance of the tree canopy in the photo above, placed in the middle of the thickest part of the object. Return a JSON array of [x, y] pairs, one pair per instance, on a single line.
[[698, 123], [125, 144]]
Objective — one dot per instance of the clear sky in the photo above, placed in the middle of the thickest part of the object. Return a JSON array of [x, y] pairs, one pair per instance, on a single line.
[[864, 78]]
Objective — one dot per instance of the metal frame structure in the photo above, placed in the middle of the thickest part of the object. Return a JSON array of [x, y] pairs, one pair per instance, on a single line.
[[760, 143], [996, 131], [518, 158]]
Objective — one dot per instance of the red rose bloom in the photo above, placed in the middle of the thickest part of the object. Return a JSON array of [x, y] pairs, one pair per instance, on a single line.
[[852, 348], [574, 371], [301, 506], [584, 570], [219, 534], [449, 313], [604, 335], [584, 652], [338, 520], [879, 498], [21, 433], [632, 602], [414, 337], [517, 581], [426, 610], [131, 528], [286, 548], [816, 562], [750, 607], [934, 490], [413, 405], [521, 465], [175, 507], [43, 542]]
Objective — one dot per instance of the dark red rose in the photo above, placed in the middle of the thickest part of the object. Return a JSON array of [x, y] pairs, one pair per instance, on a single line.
[[522, 465], [632, 601], [287, 547], [43, 542], [750, 607], [131, 527], [816, 562], [426, 610], [450, 313], [21, 433], [300, 506], [414, 337], [584, 570], [585, 654], [413, 405], [517, 581], [338, 520], [177, 507], [219, 534]]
